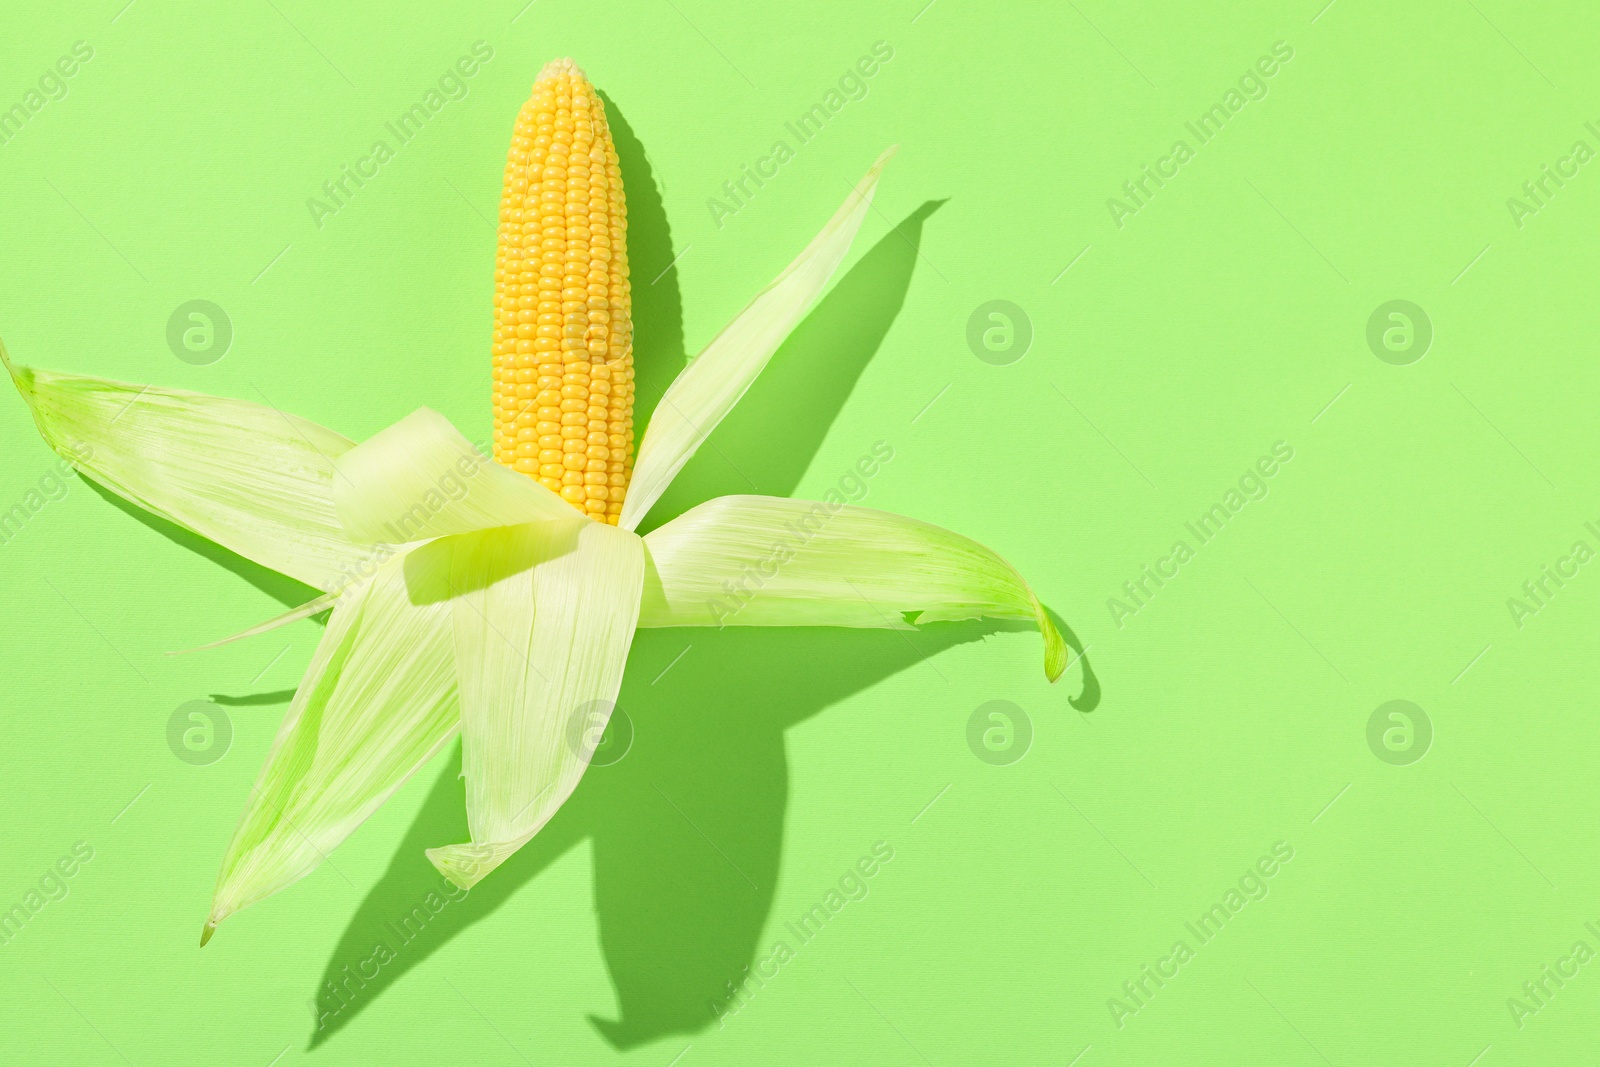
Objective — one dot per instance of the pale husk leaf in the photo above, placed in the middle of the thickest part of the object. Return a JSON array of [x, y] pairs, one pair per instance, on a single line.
[[249, 477], [377, 702], [710, 386], [543, 615], [769, 561], [420, 478]]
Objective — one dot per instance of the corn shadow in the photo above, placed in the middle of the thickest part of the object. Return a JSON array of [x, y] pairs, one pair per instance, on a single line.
[[280, 587], [686, 829], [658, 347], [766, 443]]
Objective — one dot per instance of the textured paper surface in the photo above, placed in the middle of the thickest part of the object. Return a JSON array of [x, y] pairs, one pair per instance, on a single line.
[[1211, 325]]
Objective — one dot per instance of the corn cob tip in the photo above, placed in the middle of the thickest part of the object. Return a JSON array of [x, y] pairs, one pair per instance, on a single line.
[[561, 66]]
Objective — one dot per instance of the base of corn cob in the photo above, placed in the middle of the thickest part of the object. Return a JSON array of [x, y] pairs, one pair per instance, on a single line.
[[563, 330]]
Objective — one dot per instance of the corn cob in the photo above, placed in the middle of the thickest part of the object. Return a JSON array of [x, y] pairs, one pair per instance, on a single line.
[[563, 332]]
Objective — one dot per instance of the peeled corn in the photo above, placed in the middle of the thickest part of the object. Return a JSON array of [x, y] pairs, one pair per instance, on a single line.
[[563, 329]]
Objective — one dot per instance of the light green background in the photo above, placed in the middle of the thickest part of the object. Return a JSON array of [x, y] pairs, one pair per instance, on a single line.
[[1227, 315]]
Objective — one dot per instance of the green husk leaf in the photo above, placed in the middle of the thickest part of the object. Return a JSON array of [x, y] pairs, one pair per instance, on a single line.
[[377, 702], [304, 611], [719, 376], [768, 561], [250, 478], [420, 478], [543, 615]]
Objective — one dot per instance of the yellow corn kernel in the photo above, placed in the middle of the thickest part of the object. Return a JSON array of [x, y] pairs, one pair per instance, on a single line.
[[563, 327]]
